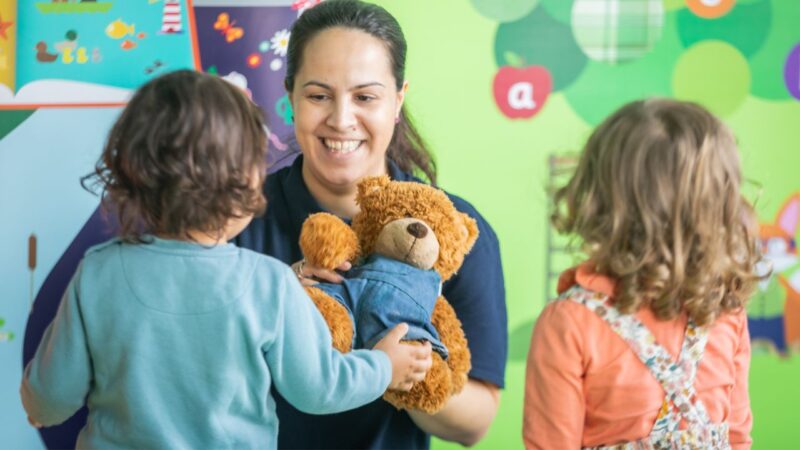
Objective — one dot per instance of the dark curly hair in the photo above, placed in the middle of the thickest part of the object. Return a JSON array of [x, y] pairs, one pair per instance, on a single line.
[[182, 157]]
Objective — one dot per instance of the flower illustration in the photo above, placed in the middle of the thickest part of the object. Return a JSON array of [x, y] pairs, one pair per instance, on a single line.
[[280, 42]]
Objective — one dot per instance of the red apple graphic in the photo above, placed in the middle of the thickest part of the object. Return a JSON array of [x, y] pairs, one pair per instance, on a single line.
[[520, 92]]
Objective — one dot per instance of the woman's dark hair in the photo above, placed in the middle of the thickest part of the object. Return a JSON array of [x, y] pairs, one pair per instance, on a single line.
[[181, 157], [407, 148]]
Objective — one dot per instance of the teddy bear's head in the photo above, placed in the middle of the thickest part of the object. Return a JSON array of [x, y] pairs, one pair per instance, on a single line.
[[409, 240], [412, 222]]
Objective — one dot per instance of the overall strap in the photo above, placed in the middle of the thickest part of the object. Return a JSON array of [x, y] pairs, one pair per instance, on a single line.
[[677, 378]]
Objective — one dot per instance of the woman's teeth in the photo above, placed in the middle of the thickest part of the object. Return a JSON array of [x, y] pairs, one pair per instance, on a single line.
[[341, 146]]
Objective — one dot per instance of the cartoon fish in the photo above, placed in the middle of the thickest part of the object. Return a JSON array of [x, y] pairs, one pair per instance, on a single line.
[[128, 44], [119, 29]]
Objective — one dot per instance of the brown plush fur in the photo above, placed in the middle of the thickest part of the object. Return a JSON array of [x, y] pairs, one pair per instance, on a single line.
[[336, 317], [329, 241], [326, 241]]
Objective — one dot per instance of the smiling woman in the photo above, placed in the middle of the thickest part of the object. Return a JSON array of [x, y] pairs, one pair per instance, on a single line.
[[345, 77], [345, 105]]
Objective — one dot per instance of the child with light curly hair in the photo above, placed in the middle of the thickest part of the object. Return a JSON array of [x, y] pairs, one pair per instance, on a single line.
[[647, 344]]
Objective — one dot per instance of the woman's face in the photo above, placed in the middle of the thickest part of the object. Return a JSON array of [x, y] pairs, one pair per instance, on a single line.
[[345, 102]]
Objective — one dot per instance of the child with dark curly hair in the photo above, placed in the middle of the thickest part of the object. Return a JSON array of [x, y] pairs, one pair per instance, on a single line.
[[647, 345], [172, 336]]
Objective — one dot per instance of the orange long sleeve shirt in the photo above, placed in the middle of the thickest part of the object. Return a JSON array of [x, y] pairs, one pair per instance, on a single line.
[[585, 387]]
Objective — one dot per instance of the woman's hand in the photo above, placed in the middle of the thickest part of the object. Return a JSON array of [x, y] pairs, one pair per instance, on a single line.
[[310, 275]]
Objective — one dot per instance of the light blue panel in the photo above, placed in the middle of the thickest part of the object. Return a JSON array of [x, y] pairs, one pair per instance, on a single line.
[[41, 163], [116, 67]]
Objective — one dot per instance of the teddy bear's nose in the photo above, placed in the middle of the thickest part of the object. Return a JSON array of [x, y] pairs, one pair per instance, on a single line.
[[417, 230]]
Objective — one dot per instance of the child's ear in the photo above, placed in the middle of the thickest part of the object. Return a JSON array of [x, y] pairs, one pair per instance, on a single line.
[[369, 186]]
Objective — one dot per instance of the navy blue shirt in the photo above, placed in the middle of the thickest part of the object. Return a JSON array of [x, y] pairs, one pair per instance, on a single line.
[[476, 293]]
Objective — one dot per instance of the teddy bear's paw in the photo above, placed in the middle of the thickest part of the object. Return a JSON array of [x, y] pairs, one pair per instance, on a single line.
[[452, 336], [337, 318], [429, 395], [327, 242]]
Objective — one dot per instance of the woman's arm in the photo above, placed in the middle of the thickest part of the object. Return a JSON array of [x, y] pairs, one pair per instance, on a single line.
[[466, 416], [477, 294]]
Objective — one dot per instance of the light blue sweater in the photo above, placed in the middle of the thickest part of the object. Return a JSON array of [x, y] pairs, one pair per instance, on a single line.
[[175, 345]]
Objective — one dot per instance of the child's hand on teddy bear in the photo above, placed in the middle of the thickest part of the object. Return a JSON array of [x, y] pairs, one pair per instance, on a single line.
[[410, 362]]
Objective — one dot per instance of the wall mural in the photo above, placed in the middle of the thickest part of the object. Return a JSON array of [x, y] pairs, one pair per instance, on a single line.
[[604, 53], [774, 311]]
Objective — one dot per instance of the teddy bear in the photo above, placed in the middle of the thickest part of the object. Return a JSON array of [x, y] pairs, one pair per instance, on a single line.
[[407, 239]]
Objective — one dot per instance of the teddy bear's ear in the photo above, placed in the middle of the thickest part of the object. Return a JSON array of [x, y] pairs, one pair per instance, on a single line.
[[469, 229], [371, 185]]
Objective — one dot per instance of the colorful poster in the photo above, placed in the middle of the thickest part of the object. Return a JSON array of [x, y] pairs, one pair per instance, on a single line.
[[89, 52], [247, 46]]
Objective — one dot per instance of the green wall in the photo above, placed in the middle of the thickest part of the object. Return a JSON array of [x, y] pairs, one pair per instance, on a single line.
[[500, 165]]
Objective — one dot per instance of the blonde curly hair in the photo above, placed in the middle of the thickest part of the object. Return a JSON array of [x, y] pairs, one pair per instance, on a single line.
[[655, 201]]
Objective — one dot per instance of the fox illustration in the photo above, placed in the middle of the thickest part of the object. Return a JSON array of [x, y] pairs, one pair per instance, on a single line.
[[774, 311]]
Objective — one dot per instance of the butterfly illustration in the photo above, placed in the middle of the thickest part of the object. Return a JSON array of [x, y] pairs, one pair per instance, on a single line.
[[226, 26]]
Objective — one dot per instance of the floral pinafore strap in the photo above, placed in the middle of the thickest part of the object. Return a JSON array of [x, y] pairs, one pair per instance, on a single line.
[[677, 379]]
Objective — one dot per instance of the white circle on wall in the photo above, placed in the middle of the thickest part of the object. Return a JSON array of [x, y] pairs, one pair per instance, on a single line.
[[276, 64], [613, 32]]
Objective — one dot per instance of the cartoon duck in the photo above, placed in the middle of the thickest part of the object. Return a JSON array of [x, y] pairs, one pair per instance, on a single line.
[[119, 29], [82, 56], [67, 57], [42, 55]]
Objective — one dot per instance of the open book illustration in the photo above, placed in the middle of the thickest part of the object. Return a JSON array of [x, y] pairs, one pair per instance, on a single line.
[[89, 52]]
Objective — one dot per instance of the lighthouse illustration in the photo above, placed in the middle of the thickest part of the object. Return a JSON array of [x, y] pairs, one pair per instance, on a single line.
[[171, 19]]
